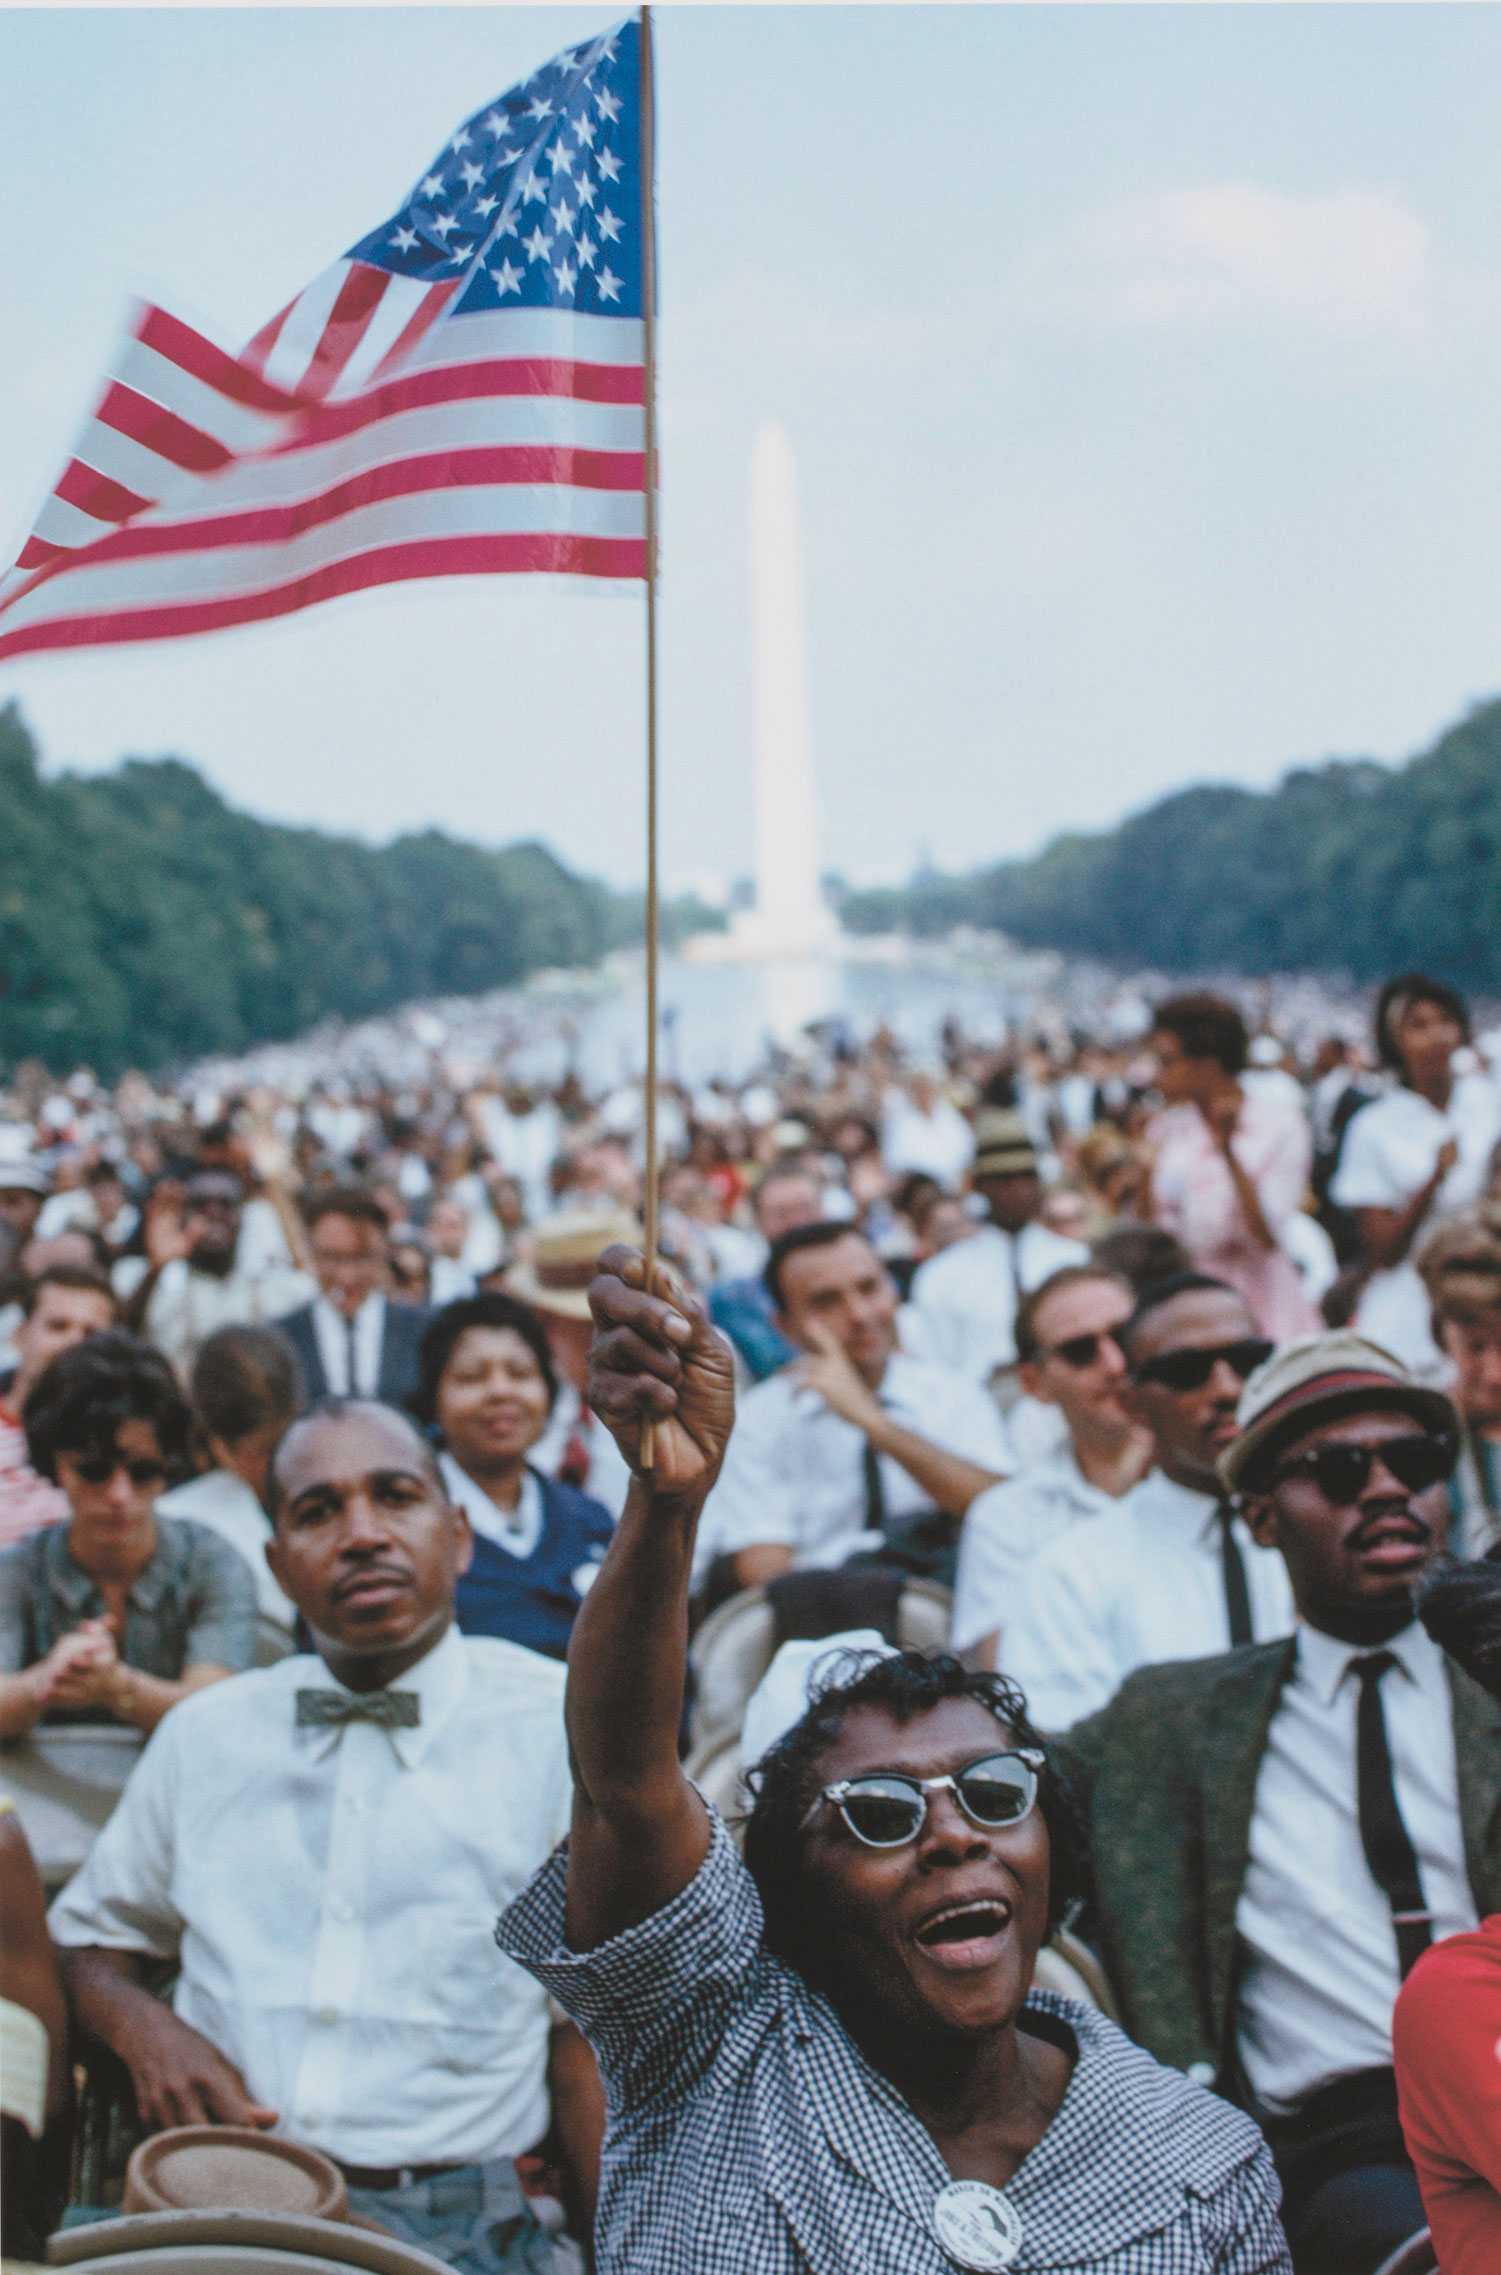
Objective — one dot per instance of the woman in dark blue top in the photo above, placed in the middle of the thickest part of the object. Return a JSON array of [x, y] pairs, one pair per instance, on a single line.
[[486, 1387]]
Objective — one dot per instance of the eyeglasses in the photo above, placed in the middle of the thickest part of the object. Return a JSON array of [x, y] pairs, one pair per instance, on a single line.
[[1081, 1351], [888, 1809], [1190, 1370], [98, 1469], [1342, 1472]]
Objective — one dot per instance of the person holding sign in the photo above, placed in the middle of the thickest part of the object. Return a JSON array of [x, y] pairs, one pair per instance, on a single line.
[[831, 2055]]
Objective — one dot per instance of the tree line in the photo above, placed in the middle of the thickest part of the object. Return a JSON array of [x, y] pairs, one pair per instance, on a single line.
[[146, 922], [1351, 869]]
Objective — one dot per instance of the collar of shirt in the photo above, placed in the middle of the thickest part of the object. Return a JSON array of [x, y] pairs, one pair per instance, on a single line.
[[440, 1680], [1162, 1503], [76, 1588], [1324, 1660], [1060, 1473], [516, 1530]]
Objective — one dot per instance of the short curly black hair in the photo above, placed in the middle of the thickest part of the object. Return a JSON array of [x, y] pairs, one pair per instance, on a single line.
[[786, 1782], [1401, 994], [1205, 1026], [441, 1335], [87, 1393]]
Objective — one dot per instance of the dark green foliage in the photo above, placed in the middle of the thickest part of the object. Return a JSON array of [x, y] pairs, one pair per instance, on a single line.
[[1350, 868], [145, 922]]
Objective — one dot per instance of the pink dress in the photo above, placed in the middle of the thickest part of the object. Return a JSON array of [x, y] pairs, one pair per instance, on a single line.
[[1194, 1197]]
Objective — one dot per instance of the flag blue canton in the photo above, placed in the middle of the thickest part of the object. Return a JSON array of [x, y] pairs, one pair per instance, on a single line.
[[535, 202]]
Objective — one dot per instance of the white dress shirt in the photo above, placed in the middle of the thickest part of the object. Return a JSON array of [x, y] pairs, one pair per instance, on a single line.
[[332, 1331], [226, 1504], [1390, 1150], [1320, 1973], [516, 1530], [332, 1895], [1005, 1527], [966, 1296], [1145, 1583], [609, 1478], [795, 1470]]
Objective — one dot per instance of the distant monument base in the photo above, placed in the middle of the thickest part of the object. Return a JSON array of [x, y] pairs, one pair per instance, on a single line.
[[755, 939]]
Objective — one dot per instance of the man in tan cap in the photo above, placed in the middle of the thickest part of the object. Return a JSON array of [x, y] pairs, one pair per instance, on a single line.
[[554, 1279], [966, 1297], [1280, 1831]]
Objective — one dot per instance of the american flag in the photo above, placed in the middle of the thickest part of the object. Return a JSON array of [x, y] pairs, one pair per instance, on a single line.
[[462, 393]]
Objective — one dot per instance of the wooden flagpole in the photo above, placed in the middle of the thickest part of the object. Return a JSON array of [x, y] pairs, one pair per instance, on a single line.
[[649, 362]]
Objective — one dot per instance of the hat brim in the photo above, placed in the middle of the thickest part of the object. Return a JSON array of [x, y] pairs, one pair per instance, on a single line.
[[565, 1303], [1244, 1464]]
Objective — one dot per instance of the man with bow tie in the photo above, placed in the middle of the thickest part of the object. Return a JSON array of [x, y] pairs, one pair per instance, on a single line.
[[324, 1855]]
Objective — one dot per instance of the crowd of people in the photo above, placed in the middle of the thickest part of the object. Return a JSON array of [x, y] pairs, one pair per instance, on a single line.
[[357, 1482]]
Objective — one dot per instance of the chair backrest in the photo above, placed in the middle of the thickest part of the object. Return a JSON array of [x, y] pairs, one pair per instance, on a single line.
[[234, 2243], [737, 1643], [1415, 2257]]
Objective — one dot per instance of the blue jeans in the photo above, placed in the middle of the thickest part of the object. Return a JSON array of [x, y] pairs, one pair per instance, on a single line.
[[475, 2218]]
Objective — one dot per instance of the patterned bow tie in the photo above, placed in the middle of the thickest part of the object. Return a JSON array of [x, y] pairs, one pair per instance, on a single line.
[[331, 1709]]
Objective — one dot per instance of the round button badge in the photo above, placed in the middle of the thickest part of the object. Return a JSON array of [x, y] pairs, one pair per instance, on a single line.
[[977, 2225]]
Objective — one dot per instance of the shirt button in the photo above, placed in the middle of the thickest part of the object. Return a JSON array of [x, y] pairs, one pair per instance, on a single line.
[[310, 2119], [1201, 2073], [327, 2014]]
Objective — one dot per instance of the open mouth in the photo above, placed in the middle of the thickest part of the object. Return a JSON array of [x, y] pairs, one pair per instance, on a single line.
[[965, 1935]]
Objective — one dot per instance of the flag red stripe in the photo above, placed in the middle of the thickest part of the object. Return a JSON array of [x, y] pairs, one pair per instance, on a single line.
[[162, 431], [360, 295], [470, 382], [422, 319], [259, 349], [202, 360], [529, 553], [36, 551], [401, 478], [95, 493]]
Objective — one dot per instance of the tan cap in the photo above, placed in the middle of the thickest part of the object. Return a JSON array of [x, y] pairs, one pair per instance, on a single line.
[[231, 2168], [1312, 1380], [1461, 1263], [564, 1257], [1003, 1145]]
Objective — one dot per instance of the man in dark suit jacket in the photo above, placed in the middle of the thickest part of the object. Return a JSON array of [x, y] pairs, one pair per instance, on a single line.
[[1278, 1832], [351, 1340]]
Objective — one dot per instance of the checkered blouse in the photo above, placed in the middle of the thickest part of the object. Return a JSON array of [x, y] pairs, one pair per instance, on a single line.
[[747, 2131]]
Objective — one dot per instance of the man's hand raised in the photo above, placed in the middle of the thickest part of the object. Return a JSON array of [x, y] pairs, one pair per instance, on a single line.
[[656, 1359]]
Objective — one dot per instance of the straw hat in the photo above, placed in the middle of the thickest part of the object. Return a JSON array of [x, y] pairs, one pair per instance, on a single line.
[[232, 2168], [1003, 1145], [565, 1253], [1313, 1380]]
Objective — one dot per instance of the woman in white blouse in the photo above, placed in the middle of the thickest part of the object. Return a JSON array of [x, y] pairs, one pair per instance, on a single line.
[[1414, 1156]]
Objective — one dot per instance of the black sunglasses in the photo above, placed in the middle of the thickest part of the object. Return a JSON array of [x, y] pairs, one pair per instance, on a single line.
[[888, 1809], [1342, 1472], [98, 1469], [1190, 1370], [1081, 1351]]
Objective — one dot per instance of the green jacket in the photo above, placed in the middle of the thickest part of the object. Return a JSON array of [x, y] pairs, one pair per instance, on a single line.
[[1166, 1776]]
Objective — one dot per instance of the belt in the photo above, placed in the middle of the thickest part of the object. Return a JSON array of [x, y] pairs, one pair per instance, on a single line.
[[393, 2175]]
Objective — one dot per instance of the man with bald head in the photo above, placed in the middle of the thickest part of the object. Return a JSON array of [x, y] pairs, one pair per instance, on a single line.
[[325, 1854]]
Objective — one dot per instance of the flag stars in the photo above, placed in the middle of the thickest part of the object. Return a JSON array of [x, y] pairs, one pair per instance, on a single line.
[[461, 140], [567, 277], [459, 252], [607, 105], [586, 250], [405, 240], [431, 185], [507, 278], [485, 206], [497, 125], [562, 159], [506, 226], [442, 224], [583, 128], [609, 165], [563, 216], [534, 189], [610, 226], [473, 175], [539, 107], [538, 246], [586, 189], [609, 284], [506, 157]]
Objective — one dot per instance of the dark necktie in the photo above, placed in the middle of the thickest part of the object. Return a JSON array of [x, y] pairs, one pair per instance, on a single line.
[[352, 1339], [331, 1709], [1383, 1836], [875, 1489], [1237, 1588]]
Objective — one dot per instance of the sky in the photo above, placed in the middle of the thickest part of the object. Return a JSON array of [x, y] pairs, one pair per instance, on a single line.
[[1142, 367]]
